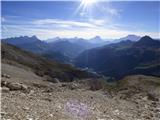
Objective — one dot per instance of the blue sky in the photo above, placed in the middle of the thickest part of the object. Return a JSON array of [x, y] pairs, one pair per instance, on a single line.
[[80, 19]]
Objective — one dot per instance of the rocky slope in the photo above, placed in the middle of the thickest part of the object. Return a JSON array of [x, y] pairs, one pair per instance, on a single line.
[[42, 67], [77, 101]]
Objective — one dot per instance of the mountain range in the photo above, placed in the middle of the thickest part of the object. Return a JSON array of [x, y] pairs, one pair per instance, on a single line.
[[123, 58], [130, 37], [114, 58], [61, 49], [32, 44]]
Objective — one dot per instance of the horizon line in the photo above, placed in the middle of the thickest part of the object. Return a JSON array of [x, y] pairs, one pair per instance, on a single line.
[[105, 39]]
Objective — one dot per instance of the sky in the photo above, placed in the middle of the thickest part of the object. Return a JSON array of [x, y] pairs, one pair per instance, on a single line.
[[83, 18]]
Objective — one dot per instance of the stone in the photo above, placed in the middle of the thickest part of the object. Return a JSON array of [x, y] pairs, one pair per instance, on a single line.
[[73, 86], [152, 97], [4, 83], [56, 80], [5, 90], [17, 86], [63, 85], [14, 86], [24, 87], [3, 113], [31, 92], [6, 76], [48, 90], [25, 108]]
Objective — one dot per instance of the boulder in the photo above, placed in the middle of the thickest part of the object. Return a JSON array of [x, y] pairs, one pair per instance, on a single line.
[[17, 86], [4, 83], [3, 75], [5, 90], [8, 76], [73, 86]]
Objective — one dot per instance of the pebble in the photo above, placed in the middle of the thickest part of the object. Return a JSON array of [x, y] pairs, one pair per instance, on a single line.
[[25, 108], [3, 113]]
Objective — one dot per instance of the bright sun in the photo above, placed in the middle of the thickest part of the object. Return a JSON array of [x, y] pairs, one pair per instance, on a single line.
[[88, 2], [86, 6]]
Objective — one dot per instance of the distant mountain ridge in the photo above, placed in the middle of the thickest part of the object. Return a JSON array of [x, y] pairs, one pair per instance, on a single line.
[[32, 44], [35, 45], [66, 47], [131, 37], [21, 40], [97, 39], [147, 41], [53, 39], [60, 49], [123, 58]]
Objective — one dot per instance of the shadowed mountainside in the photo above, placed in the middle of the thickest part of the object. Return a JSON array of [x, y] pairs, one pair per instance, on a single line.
[[123, 58], [40, 65]]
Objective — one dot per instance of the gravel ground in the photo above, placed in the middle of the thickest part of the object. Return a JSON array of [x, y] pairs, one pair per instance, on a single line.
[[61, 103], [42, 100]]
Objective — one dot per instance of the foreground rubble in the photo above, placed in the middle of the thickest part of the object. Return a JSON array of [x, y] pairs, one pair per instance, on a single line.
[[71, 101]]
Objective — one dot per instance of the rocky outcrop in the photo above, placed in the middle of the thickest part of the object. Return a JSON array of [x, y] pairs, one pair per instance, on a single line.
[[6, 86]]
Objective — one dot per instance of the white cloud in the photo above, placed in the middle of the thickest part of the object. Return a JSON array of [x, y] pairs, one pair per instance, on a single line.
[[98, 22], [63, 23]]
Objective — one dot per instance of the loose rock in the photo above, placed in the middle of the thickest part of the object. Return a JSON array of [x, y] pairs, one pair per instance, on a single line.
[[5, 90]]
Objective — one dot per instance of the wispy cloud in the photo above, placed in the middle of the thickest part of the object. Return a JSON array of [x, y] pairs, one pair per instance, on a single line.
[[63, 23], [99, 22]]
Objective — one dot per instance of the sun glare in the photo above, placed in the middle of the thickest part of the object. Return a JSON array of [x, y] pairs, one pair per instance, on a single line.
[[88, 2], [86, 6]]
